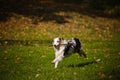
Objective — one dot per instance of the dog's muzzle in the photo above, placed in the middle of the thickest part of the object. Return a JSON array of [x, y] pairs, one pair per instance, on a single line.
[[55, 46]]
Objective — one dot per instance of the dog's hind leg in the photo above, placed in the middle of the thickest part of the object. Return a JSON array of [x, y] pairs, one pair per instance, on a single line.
[[82, 53]]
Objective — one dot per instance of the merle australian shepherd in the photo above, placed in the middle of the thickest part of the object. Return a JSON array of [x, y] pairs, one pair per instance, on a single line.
[[65, 48]]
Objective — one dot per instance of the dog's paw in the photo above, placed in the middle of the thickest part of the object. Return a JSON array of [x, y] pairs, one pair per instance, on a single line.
[[52, 62]]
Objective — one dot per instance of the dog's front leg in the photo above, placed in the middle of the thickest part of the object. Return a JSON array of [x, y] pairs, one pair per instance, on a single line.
[[56, 63], [57, 59], [53, 61]]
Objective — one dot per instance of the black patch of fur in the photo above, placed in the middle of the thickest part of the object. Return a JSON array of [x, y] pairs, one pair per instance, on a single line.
[[76, 48], [67, 48], [70, 45], [78, 45]]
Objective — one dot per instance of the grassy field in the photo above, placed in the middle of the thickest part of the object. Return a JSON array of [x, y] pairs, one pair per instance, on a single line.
[[26, 51]]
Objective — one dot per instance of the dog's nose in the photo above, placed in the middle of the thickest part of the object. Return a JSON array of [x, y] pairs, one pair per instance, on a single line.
[[55, 45]]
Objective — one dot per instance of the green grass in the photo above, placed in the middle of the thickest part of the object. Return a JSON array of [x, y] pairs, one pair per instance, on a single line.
[[26, 52], [32, 62]]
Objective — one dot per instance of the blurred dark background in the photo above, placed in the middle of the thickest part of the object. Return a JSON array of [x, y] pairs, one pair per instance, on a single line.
[[32, 8]]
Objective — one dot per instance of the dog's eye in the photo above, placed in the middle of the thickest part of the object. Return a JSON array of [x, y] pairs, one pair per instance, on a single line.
[[58, 41]]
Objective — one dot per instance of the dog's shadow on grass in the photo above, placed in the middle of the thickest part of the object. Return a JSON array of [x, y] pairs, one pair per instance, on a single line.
[[82, 64]]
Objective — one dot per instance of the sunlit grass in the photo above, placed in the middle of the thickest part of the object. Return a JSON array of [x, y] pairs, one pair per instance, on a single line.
[[33, 62]]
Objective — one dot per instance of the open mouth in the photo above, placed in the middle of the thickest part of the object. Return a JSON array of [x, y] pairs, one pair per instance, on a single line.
[[56, 46]]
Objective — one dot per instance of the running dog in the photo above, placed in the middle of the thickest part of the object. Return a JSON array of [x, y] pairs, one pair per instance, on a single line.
[[65, 48]]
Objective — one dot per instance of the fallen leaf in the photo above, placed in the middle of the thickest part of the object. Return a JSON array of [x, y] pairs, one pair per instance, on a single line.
[[43, 56], [107, 55], [17, 59], [101, 74], [98, 60], [118, 53], [6, 42], [37, 75], [110, 76], [5, 58], [75, 73], [5, 51]]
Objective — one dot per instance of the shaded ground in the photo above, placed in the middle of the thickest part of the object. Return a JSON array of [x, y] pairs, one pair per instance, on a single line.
[[46, 10]]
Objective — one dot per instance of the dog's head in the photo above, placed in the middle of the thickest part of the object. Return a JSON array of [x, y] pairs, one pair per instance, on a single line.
[[57, 42]]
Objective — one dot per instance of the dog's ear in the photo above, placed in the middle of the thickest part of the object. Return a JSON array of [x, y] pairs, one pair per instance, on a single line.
[[61, 39]]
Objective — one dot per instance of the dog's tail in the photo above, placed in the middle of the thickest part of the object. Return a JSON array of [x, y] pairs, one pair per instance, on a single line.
[[82, 53]]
